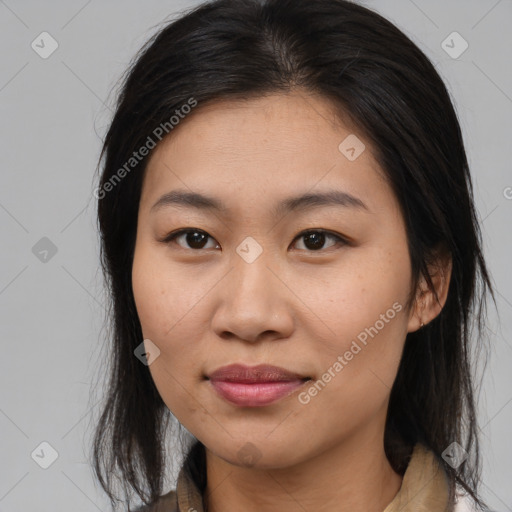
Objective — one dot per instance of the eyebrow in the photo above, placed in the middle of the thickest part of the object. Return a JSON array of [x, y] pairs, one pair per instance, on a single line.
[[291, 204]]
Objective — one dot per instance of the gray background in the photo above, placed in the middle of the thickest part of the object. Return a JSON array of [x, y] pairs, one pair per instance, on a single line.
[[54, 113]]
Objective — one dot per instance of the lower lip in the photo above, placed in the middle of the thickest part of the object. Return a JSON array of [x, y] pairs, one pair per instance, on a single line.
[[255, 395]]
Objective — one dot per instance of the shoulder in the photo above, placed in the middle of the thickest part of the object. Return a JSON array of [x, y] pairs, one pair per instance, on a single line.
[[166, 503]]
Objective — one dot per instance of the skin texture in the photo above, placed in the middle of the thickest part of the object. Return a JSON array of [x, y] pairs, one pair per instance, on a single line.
[[294, 306]]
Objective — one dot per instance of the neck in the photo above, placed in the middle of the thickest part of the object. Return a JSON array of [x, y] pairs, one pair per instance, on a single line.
[[354, 475]]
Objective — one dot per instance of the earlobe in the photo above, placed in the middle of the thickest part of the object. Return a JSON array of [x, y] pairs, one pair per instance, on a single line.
[[417, 318]]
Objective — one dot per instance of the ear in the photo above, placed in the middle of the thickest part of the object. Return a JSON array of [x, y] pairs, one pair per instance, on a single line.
[[426, 305]]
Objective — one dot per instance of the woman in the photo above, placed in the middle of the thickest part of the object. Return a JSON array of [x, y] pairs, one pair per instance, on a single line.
[[291, 246]]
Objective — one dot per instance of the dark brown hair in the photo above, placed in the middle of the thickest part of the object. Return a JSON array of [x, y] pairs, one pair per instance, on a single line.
[[371, 72]]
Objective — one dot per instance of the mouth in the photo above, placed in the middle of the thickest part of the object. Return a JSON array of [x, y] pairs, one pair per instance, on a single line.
[[255, 386]]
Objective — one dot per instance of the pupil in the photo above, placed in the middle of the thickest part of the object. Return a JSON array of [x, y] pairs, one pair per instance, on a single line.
[[313, 240], [196, 238], [318, 240]]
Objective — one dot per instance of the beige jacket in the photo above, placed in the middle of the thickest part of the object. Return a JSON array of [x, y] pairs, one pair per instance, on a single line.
[[424, 489]]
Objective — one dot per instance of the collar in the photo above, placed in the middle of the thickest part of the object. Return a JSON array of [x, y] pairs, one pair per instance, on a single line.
[[424, 485], [424, 488]]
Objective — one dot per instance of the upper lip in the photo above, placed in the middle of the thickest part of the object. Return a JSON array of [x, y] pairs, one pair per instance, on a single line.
[[250, 374]]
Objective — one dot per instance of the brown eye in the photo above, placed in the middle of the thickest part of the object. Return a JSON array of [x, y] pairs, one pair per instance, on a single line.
[[314, 240], [195, 238]]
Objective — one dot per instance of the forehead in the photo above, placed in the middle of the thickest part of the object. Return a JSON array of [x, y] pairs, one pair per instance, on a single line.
[[289, 122], [263, 145]]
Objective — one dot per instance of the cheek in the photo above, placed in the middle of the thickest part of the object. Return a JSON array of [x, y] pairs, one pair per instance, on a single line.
[[367, 292], [362, 317], [160, 308], [167, 299], [356, 366]]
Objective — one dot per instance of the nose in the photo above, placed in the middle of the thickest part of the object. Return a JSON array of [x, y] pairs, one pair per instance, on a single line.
[[253, 302]]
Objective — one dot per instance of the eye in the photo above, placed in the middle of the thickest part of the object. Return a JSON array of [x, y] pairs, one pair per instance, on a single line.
[[315, 239], [196, 238]]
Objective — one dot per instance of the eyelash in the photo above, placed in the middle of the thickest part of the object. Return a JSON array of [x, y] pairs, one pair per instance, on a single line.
[[170, 238]]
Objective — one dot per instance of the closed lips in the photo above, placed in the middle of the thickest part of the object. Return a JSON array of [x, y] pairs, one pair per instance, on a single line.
[[256, 374]]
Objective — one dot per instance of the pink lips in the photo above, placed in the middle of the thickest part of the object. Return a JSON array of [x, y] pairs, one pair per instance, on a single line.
[[254, 386]]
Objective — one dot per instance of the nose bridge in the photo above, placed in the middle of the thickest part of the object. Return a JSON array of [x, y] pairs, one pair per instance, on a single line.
[[252, 280], [252, 300]]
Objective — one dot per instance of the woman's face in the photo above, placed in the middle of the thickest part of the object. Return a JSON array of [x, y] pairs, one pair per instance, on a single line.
[[252, 288]]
